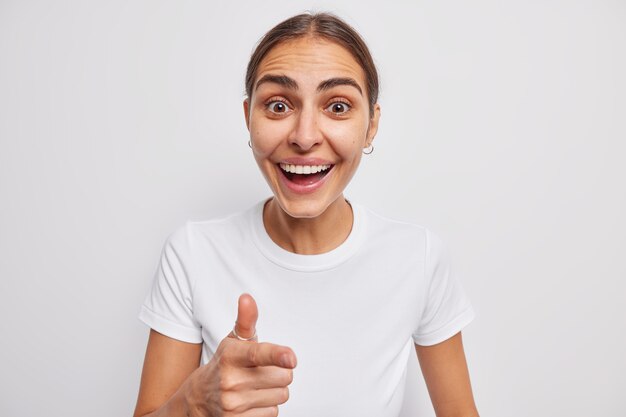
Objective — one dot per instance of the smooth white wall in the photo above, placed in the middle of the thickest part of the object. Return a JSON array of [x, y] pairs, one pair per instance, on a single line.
[[503, 129]]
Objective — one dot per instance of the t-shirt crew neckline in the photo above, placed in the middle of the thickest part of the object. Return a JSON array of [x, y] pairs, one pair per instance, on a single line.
[[307, 263]]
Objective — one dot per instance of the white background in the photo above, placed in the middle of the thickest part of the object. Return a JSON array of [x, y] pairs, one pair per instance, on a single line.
[[503, 129]]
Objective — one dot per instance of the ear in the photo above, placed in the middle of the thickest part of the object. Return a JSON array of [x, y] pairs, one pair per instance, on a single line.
[[373, 126], [246, 112]]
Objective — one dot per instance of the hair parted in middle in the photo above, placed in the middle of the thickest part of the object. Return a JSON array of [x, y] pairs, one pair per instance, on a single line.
[[317, 25]]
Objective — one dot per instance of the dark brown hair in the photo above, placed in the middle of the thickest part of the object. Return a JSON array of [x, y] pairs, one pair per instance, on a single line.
[[317, 25]]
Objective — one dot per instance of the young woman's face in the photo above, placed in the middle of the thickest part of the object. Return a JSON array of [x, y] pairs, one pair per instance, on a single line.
[[309, 120]]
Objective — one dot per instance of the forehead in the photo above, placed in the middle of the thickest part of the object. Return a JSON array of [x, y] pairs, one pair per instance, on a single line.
[[311, 57]]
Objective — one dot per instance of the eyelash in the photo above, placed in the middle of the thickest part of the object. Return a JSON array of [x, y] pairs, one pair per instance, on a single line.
[[275, 100], [340, 101]]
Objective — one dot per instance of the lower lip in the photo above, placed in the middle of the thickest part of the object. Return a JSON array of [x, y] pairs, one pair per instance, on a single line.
[[303, 189]]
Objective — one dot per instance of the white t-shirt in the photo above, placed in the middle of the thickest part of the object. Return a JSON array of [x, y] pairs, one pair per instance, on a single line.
[[351, 315]]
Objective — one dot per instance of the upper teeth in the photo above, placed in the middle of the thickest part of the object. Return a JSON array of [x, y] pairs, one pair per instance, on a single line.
[[303, 169]]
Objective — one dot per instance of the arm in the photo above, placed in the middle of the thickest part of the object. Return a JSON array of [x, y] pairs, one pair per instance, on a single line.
[[447, 378], [243, 377], [167, 365]]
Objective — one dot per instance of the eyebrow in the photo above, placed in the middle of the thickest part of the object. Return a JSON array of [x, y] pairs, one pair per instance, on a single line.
[[282, 80], [334, 82], [291, 84]]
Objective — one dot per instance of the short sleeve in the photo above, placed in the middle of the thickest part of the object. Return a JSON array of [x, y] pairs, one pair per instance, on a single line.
[[168, 307], [447, 309]]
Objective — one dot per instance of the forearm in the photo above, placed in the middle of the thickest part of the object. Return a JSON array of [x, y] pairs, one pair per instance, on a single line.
[[470, 414], [176, 406]]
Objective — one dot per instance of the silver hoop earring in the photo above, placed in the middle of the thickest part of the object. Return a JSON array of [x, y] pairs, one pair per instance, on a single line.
[[368, 150], [250, 144]]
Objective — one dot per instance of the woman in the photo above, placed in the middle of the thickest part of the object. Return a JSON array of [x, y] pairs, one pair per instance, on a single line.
[[343, 294]]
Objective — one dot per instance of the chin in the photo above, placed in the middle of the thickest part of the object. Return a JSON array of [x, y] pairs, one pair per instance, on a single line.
[[308, 209]]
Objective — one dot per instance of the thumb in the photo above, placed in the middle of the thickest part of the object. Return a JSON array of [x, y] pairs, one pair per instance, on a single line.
[[247, 315]]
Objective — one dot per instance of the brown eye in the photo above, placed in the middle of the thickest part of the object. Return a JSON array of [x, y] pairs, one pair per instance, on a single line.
[[338, 108], [278, 107]]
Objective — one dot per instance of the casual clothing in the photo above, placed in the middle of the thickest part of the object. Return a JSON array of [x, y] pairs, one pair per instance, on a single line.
[[351, 315]]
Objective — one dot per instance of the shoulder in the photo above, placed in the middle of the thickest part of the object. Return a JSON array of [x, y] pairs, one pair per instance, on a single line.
[[228, 226], [402, 236], [219, 230], [383, 226]]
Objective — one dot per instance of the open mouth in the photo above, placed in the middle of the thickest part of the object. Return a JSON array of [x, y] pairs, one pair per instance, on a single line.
[[305, 174]]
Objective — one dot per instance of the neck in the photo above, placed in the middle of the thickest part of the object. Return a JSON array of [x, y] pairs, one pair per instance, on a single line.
[[310, 236]]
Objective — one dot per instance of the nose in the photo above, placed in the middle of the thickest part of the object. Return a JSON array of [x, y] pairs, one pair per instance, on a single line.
[[306, 132]]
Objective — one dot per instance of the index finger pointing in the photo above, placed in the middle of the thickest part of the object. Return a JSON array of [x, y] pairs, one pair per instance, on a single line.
[[266, 354]]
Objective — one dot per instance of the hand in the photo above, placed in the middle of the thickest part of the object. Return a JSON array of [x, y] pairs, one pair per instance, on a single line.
[[244, 378]]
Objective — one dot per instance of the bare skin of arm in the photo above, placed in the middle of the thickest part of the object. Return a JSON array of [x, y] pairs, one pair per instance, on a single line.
[[166, 385], [447, 378], [167, 365], [242, 378]]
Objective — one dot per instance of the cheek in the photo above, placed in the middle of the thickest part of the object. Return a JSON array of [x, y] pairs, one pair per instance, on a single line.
[[349, 140], [266, 137]]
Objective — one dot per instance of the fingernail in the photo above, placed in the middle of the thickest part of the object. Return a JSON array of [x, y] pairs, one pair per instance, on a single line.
[[286, 361]]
